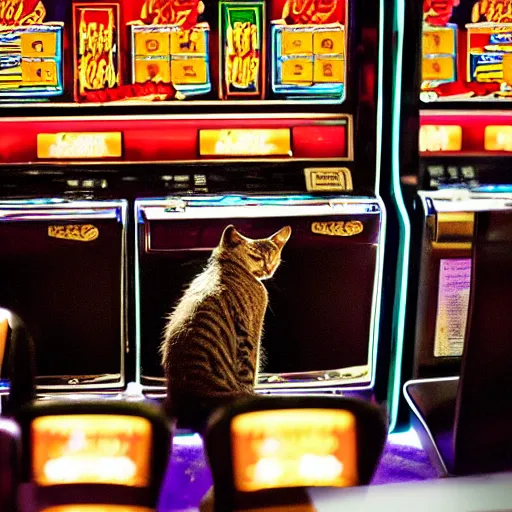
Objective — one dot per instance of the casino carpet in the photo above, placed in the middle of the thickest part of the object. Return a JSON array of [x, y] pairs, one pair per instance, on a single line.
[[188, 476]]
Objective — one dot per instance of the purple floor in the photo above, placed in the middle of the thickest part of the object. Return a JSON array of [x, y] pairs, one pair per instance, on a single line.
[[188, 476]]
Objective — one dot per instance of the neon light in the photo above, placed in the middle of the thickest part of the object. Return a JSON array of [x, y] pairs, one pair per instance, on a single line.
[[404, 227], [377, 287]]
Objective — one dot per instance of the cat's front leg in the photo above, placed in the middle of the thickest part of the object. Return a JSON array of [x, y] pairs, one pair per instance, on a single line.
[[246, 356], [246, 362]]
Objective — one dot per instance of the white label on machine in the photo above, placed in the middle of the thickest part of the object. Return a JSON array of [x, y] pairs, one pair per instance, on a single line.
[[452, 307]]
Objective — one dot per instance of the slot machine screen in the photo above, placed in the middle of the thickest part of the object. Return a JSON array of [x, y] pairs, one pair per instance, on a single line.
[[294, 448], [64, 51], [467, 51], [91, 449]]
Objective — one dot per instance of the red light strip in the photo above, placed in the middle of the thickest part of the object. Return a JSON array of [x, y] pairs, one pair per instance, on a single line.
[[175, 139], [473, 125]]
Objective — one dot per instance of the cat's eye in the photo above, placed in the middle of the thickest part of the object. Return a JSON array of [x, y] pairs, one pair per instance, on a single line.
[[255, 258]]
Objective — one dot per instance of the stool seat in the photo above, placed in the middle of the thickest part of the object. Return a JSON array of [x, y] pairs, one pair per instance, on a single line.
[[433, 402]]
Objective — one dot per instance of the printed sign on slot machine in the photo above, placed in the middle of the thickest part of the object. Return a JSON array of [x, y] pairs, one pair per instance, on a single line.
[[96, 49]]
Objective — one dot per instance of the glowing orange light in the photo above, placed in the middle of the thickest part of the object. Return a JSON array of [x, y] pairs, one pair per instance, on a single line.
[[92, 448], [243, 142], [292, 448], [498, 138], [440, 138], [79, 145], [97, 508], [4, 329]]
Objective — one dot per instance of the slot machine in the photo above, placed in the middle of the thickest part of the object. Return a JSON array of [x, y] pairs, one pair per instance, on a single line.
[[453, 142], [134, 131]]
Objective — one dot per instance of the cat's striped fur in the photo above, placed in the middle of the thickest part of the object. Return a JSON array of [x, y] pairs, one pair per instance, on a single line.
[[211, 347]]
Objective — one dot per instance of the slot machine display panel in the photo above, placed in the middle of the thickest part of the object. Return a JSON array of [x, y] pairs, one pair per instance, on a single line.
[[62, 265], [320, 329], [467, 51], [66, 51]]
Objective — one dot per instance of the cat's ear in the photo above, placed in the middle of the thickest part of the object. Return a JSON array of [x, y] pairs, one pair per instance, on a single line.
[[231, 237], [282, 236]]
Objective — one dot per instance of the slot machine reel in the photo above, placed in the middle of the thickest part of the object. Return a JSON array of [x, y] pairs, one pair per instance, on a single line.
[[82, 454], [267, 451], [17, 363]]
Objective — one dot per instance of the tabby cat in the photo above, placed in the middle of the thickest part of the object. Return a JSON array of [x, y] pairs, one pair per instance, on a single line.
[[211, 347]]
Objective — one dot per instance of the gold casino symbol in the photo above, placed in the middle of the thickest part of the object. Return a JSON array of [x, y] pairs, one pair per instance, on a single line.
[[341, 228], [77, 232]]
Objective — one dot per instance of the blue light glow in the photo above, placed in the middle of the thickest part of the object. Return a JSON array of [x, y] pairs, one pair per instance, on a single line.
[[404, 227], [407, 438]]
